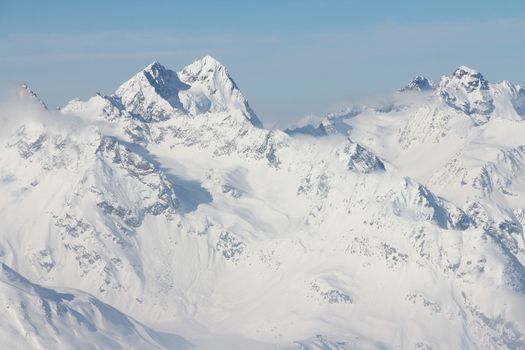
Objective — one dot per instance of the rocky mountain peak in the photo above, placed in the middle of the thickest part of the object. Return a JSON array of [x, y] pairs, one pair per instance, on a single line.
[[25, 92], [420, 84], [468, 91], [470, 79]]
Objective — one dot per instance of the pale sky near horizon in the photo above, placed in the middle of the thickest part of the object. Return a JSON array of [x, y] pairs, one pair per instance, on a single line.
[[290, 58]]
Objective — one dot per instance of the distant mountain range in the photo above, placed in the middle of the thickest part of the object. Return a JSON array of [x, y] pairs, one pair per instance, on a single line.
[[164, 216]]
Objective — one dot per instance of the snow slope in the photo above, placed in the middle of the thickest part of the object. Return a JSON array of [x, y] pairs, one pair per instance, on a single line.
[[169, 202], [39, 317]]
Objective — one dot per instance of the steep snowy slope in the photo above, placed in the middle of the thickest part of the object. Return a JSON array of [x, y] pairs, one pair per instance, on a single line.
[[167, 201]]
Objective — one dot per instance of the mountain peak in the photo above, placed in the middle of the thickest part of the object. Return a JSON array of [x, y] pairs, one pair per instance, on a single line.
[[208, 62], [203, 68], [468, 91], [464, 70], [419, 83], [152, 93], [154, 66], [469, 78], [160, 76], [25, 91], [157, 93], [213, 90]]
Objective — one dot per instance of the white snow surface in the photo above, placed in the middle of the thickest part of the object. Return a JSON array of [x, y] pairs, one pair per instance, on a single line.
[[165, 217]]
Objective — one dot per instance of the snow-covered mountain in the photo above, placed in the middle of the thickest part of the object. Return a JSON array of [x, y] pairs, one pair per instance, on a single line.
[[165, 216]]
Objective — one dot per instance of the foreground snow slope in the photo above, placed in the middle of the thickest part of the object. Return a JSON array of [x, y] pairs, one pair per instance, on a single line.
[[169, 202], [35, 317]]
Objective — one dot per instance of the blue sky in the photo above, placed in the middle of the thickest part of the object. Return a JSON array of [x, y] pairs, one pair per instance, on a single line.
[[289, 57]]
